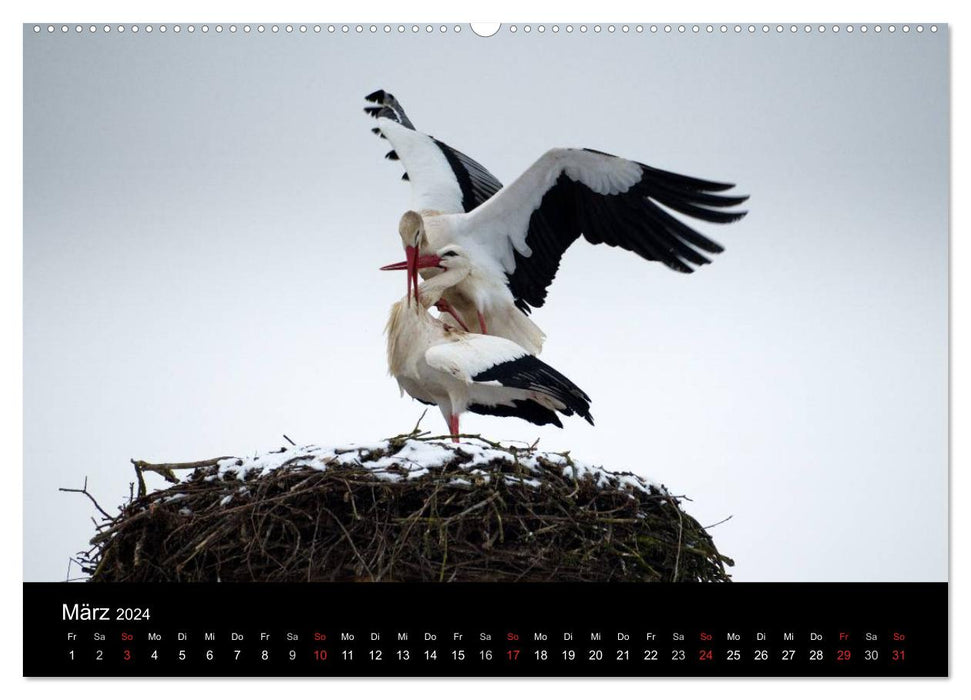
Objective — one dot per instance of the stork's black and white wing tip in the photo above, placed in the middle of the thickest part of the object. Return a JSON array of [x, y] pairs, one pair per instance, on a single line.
[[532, 374], [443, 178], [504, 380], [606, 199], [387, 107]]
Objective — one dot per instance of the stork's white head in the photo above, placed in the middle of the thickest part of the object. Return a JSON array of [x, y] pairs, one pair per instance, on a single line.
[[411, 228], [453, 264], [450, 257]]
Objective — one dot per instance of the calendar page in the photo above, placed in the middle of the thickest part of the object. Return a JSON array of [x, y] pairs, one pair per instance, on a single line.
[[542, 349]]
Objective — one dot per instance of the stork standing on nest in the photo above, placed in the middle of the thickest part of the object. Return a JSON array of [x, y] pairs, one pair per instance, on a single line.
[[515, 235], [458, 371]]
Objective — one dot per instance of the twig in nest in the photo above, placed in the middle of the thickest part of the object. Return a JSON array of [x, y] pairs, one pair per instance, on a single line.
[[350, 541], [677, 558], [470, 509], [723, 520], [167, 469], [414, 430], [84, 490]]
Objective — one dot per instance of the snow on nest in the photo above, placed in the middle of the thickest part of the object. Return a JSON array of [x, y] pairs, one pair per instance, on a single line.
[[415, 458]]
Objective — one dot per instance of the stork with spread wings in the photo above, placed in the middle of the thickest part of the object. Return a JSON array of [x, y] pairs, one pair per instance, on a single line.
[[515, 235]]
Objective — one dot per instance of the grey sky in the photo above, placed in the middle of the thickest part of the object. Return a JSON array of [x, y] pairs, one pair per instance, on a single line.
[[205, 215]]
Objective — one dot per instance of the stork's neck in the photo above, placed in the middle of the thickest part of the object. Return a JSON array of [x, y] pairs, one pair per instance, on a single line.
[[432, 289], [411, 330], [436, 233]]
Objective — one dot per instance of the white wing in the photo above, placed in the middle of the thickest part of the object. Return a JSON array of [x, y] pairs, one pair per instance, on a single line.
[[433, 185], [472, 355], [442, 179]]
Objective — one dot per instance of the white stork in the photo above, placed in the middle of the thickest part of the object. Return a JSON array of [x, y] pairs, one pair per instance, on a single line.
[[515, 235], [438, 364], [480, 300]]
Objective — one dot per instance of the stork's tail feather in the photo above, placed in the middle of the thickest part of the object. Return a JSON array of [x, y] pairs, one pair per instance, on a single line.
[[389, 108], [525, 410], [532, 374]]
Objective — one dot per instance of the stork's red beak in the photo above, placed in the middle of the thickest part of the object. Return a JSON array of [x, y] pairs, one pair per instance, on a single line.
[[423, 262], [411, 252], [411, 265], [428, 261], [414, 263]]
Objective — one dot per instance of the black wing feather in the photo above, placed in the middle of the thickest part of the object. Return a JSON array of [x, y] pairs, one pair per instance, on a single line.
[[552, 229], [633, 220], [686, 182], [388, 107], [526, 410], [477, 183], [532, 374]]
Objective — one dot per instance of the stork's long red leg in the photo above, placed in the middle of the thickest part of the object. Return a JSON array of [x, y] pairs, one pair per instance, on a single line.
[[445, 307], [453, 427], [482, 323]]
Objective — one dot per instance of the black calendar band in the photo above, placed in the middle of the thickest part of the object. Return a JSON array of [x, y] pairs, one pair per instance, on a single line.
[[398, 629]]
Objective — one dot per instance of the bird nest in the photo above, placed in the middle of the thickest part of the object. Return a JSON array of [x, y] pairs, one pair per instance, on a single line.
[[411, 508]]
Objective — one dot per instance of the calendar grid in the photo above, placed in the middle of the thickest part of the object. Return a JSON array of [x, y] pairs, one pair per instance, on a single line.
[[486, 629]]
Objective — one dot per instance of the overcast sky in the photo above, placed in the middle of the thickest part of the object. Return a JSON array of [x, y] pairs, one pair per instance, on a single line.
[[205, 214]]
